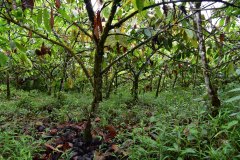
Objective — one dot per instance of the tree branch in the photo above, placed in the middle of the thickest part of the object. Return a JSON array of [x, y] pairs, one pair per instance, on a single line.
[[109, 22]]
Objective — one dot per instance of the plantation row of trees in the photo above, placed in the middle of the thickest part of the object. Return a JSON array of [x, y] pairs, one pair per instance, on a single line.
[[58, 45]]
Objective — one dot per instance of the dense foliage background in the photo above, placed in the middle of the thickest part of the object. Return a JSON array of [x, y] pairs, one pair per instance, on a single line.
[[120, 79]]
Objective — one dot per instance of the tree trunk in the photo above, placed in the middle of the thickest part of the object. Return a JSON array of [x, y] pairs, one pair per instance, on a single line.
[[64, 74], [175, 79], [8, 85], [158, 85], [97, 92], [195, 74], [106, 83], [163, 83], [135, 87], [212, 93], [109, 89]]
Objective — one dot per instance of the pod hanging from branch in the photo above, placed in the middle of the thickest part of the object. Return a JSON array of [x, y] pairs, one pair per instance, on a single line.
[[57, 4], [51, 19], [97, 25]]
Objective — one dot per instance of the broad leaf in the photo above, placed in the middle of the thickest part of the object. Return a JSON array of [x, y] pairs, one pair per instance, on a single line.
[[230, 68], [188, 151], [237, 98], [189, 33], [147, 32], [12, 45], [230, 124], [39, 17], [46, 20], [235, 90], [139, 4], [3, 59], [20, 47]]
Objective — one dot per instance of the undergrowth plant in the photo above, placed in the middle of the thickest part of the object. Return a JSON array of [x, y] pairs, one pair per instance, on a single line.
[[176, 125]]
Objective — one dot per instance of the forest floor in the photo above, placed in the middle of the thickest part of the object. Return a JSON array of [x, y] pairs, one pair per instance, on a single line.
[[176, 125]]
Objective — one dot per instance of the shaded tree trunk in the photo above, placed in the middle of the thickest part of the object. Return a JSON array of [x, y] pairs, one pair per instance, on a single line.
[[175, 79], [109, 89], [8, 85], [97, 91], [64, 74], [212, 93], [195, 74], [135, 87], [158, 85], [163, 83]]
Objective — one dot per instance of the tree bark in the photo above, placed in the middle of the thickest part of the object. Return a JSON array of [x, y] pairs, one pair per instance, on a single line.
[[212, 93], [174, 81], [64, 74], [109, 87], [158, 85], [97, 91], [8, 85], [135, 87]]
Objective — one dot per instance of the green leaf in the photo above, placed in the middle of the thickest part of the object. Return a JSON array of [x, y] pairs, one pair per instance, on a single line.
[[25, 60], [39, 17], [70, 1], [230, 68], [12, 45], [46, 20], [139, 4], [235, 90], [64, 14], [147, 32], [230, 124], [188, 151], [189, 33], [194, 42], [20, 47], [158, 12], [238, 71], [3, 59], [237, 98], [221, 22]]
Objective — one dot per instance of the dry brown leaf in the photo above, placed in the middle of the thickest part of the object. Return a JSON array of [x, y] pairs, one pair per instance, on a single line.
[[52, 148], [115, 148], [97, 119]]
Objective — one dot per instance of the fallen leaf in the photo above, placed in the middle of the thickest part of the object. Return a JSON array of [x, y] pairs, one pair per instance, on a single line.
[[53, 131], [97, 119], [111, 132], [52, 148], [115, 148]]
